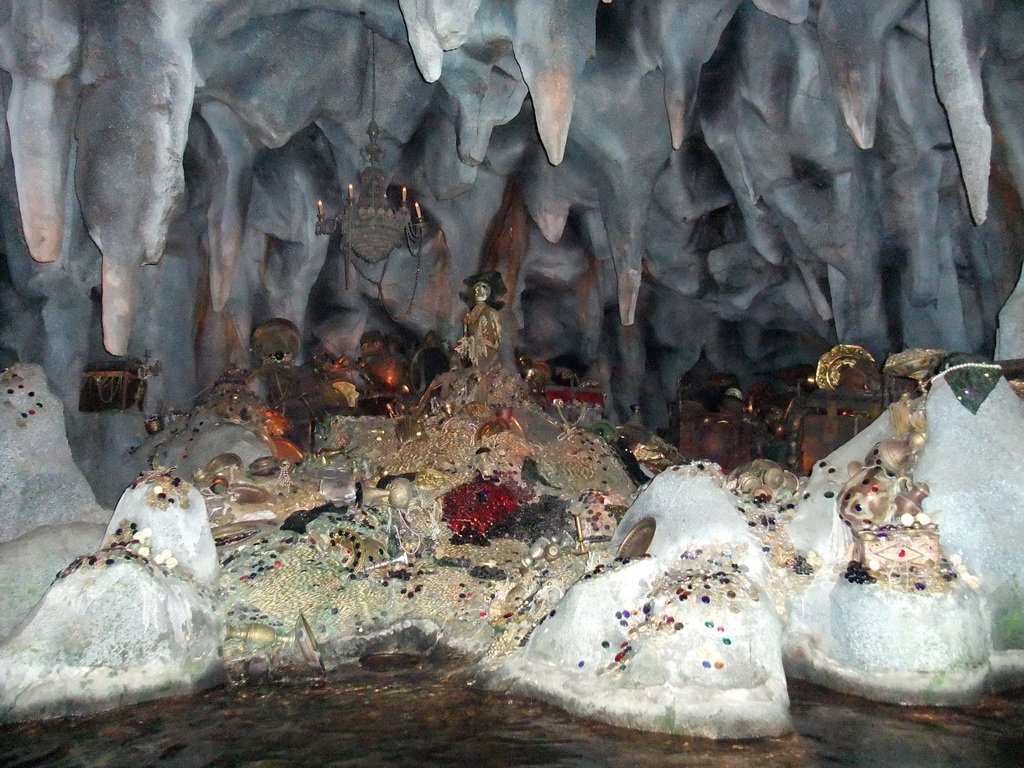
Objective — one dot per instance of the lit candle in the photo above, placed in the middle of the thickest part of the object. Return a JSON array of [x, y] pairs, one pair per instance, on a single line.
[[351, 192], [418, 214], [320, 208], [405, 192]]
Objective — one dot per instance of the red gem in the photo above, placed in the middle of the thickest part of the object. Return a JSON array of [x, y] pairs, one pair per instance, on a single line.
[[476, 506]]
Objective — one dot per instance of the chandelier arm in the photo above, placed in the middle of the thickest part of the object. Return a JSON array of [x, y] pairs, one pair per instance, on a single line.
[[325, 226]]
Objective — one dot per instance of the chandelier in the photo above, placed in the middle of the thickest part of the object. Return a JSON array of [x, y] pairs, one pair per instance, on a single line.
[[371, 228]]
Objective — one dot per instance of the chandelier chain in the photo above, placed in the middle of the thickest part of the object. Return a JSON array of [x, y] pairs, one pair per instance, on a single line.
[[373, 76]]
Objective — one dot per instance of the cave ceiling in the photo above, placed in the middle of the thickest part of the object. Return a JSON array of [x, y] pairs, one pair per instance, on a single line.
[[657, 180]]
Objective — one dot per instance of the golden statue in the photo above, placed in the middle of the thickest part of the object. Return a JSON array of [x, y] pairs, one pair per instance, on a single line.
[[481, 328]]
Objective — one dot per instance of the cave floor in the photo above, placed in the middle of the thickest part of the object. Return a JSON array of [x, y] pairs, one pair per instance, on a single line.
[[400, 711]]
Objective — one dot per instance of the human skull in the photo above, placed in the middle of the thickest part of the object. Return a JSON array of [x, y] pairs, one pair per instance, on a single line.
[[276, 341]]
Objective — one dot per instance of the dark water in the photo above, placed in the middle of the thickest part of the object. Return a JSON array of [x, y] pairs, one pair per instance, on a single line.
[[419, 716]]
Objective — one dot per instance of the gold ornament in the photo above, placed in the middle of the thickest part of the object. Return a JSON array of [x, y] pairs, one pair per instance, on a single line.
[[831, 364]]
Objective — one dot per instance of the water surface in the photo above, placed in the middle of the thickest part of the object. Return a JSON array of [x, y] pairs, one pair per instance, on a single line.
[[415, 714]]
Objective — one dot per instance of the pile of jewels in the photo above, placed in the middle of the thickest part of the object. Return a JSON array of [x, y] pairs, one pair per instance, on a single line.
[[895, 544], [467, 517], [703, 590]]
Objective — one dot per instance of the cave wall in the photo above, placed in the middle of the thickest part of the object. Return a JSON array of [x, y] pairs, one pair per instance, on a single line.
[[750, 181]]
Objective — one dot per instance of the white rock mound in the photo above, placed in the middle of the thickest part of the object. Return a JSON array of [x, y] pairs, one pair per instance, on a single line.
[[917, 644], [29, 563], [682, 639], [974, 466], [39, 482], [133, 621]]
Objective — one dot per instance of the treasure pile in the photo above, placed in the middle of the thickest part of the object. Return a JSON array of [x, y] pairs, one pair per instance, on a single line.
[[568, 559]]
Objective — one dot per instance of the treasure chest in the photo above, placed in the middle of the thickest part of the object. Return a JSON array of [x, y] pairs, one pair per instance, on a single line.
[[824, 421], [848, 398], [116, 387], [584, 393], [889, 548], [724, 438]]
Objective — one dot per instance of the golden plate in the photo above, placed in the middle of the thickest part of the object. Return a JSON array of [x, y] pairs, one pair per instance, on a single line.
[[831, 364]]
